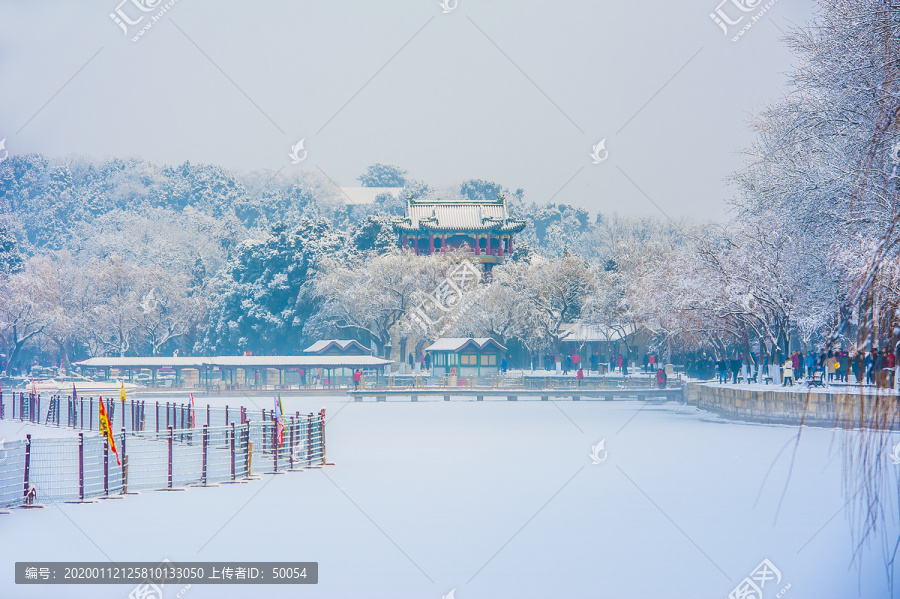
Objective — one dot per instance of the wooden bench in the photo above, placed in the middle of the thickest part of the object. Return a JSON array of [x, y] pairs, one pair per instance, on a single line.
[[817, 379]]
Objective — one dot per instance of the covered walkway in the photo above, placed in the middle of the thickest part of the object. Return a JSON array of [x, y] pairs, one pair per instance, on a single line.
[[237, 372]]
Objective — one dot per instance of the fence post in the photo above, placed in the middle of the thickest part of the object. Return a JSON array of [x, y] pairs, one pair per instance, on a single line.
[[207, 414], [309, 440], [274, 447], [322, 434], [80, 466], [170, 456], [81, 422], [226, 414], [91, 419], [167, 415], [245, 434], [124, 464], [232, 451], [291, 446], [205, 449], [106, 468], [27, 461]]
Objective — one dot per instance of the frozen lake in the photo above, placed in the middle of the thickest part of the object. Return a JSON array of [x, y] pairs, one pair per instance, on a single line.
[[496, 499]]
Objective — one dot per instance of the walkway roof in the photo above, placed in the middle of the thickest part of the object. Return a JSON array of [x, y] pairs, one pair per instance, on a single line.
[[201, 362]]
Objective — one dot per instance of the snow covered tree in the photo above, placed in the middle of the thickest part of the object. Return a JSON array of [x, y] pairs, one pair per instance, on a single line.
[[10, 258], [266, 294], [383, 175], [23, 312], [368, 300]]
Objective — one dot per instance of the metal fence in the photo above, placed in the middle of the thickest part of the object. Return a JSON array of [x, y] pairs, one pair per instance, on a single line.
[[83, 413], [526, 381], [82, 467]]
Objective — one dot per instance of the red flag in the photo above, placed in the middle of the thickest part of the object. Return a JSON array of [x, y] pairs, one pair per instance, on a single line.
[[106, 430]]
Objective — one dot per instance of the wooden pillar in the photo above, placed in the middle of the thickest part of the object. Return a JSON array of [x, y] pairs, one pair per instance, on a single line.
[[510, 244], [431, 243], [443, 243], [404, 241], [417, 245], [477, 245], [488, 248]]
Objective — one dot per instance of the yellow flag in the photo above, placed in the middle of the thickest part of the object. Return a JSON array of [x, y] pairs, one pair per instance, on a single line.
[[123, 392], [106, 430]]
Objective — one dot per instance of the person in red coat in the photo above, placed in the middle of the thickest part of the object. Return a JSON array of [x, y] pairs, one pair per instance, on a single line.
[[661, 378]]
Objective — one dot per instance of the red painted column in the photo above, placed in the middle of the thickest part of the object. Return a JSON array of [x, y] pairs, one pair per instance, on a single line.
[[443, 243], [417, 245], [431, 243], [488, 244], [509, 245], [404, 242], [477, 245]]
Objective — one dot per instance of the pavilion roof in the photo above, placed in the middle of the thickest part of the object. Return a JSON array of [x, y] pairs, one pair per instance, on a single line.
[[455, 344], [201, 362], [342, 345], [458, 215]]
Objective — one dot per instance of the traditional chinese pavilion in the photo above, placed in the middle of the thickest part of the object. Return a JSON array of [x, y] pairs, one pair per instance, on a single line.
[[482, 226]]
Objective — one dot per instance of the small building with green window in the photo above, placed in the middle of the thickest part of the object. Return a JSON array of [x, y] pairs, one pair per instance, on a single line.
[[465, 356]]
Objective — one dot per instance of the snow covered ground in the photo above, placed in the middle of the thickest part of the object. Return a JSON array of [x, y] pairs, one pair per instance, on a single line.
[[495, 499]]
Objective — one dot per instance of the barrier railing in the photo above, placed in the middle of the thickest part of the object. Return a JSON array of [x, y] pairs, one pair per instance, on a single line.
[[81, 467]]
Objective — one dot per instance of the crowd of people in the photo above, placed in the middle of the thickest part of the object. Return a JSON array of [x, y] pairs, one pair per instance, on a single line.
[[830, 366], [614, 362]]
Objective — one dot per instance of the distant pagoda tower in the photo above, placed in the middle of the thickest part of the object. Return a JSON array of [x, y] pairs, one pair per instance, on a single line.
[[482, 226]]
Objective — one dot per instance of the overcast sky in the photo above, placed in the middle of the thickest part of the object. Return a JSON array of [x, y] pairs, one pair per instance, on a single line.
[[513, 91]]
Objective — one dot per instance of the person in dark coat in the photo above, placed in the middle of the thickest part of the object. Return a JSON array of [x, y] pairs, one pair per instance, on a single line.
[[735, 368], [722, 370]]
